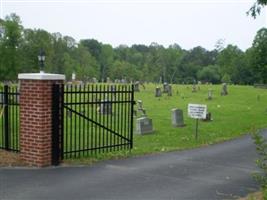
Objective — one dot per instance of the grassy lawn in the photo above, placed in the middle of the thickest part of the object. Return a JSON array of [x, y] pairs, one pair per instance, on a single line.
[[233, 115]]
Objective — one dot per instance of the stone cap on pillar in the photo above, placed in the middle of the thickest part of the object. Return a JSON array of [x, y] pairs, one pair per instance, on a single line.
[[41, 76]]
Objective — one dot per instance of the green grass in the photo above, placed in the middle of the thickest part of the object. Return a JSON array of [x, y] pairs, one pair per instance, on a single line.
[[233, 115]]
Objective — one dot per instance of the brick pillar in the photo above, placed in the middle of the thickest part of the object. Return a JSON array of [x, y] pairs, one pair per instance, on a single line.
[[36, 117]]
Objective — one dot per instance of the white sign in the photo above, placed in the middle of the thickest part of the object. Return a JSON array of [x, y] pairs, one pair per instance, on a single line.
[[197, 111]]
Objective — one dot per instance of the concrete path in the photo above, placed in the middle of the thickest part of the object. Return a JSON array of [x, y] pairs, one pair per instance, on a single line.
[[221, 171]]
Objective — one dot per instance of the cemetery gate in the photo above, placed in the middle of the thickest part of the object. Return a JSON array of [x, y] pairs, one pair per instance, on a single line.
[[95, 119], [9, 117]]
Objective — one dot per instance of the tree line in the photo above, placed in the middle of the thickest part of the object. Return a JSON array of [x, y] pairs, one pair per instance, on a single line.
[[88, 58]]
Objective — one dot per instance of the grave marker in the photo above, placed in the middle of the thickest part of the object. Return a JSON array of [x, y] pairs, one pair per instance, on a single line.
[[157, 92], [177, 118], [144, 125]]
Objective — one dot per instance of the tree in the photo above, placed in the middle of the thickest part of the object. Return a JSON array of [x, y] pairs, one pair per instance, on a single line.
[[258, 58], [209, 74], [9, 46], [87, 66], [231, 62], [105, 60], [33, 41], [256, 8]]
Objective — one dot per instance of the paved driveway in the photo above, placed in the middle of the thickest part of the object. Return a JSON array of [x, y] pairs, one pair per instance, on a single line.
[[221, 171]]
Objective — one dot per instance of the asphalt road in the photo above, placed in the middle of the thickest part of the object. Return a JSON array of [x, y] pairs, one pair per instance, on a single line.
[[221, 171]]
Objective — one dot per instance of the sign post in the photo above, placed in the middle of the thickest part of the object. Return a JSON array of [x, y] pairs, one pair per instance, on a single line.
[[197, 111]]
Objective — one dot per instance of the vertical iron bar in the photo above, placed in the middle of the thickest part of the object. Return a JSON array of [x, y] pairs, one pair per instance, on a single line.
[[12, 142], [84, 132], [119, 117], [115, 117], [6, 116], [79, 119], [125, 115], [104, 117], [71, 132], [93, 111], [99, 119], [2, 118], [17, 119], [89, 123], [75, 122], [132, 110], [108, 118]]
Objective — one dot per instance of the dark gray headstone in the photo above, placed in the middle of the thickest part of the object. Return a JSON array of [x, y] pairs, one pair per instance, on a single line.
[[169, 90], [106, 107], [165, 87], [144, 125], [158, 92], [177, 118], [208, 117], [224, 91]]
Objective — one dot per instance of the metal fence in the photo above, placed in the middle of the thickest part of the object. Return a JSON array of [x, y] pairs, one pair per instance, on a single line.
[[97, 119], [9, 118]]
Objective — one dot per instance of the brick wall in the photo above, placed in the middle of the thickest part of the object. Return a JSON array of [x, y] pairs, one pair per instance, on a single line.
[[35, 121]]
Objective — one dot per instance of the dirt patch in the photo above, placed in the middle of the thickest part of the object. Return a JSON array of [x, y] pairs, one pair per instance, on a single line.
[[10, 159]]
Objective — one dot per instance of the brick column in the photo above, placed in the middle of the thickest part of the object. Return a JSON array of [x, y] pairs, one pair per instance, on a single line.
[[36, 117]]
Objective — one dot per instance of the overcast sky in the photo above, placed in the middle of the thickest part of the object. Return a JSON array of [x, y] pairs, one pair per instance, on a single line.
[[189, 23]]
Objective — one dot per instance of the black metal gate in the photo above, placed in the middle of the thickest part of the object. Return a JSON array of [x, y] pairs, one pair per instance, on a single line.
[[97, 119], [9, 118]]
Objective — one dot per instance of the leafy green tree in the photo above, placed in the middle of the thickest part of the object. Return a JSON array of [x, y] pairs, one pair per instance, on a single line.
[[226, 78], [9, 47], [105, 60], [33, 41], [87, 66], [231, 61], [209, 74], [256, 8], [93, 46], [259, 58]]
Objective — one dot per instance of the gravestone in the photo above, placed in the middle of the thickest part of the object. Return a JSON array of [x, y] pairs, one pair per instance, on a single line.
[[169, 90], [108, 80], [194, 88], [136, 86], [177, 118], [208, 117], [140, 108], [144, 125], [94, 80], [165, 87], [157, 92], [209, 94], [105, 107], [224, 91]]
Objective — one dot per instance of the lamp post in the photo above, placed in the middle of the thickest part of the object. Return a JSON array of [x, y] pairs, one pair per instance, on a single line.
[[41, 59]]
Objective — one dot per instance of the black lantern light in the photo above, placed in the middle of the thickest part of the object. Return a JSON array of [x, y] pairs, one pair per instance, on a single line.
[[41, 59]]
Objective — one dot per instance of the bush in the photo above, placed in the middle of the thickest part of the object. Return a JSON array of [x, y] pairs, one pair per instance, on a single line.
[[261, 147]]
